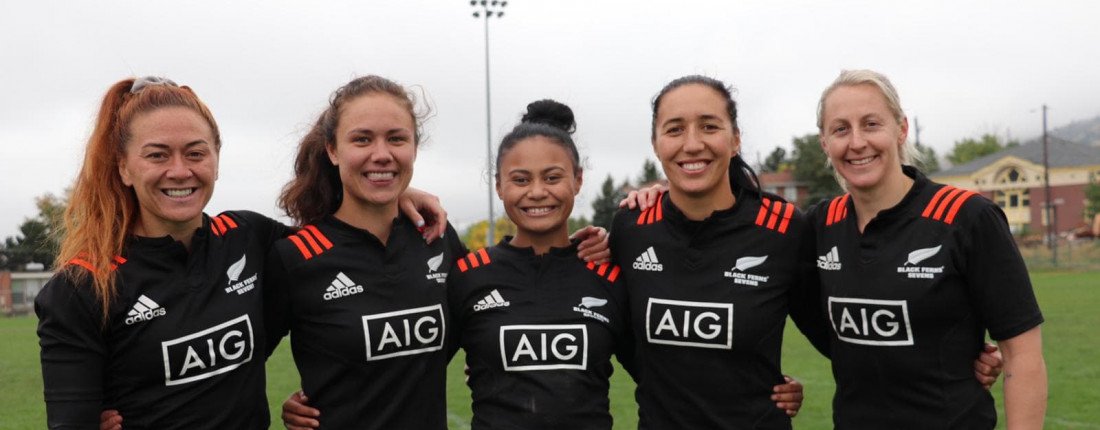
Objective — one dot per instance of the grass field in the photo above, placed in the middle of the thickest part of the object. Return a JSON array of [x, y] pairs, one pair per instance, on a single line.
[[1069, 301]]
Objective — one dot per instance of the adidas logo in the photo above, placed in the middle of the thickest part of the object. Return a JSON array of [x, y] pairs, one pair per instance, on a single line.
[[648, 262], [144, 310], [493, 300], [829, 261], [342, 286]]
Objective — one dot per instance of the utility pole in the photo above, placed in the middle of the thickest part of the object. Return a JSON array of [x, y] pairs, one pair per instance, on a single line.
[[488, 9], [1052, 236]]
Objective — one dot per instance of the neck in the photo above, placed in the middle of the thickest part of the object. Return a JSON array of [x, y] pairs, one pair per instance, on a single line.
[[541, 242], [181, 233], [698, 207], [376, 219], [870, 201]]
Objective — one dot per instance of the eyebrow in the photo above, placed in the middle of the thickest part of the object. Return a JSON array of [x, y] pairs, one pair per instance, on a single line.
[[528, 172], [159, 145], [369, 131], [704, 117]]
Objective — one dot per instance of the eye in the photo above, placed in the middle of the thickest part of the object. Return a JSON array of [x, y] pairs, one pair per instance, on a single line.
[[553, 178], [196, 155], [711, 127], [398, 139], [674, 130], [520, 180], [840, 129], [157, 156], [361, 139]]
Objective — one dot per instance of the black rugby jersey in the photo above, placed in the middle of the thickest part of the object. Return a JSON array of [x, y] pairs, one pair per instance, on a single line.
[[183, 347], [910, 300], [367, 322], [539, 332], [708, 301]]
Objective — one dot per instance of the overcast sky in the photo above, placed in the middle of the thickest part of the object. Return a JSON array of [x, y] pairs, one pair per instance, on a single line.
[[266, 69]]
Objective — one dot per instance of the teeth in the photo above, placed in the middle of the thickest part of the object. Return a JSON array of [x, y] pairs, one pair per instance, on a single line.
[[699, 165], [179, 192], [862, 161], [380, 175], [537, 211]]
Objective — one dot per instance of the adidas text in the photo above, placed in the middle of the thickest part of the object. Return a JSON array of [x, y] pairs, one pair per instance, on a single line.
[[146, 316]]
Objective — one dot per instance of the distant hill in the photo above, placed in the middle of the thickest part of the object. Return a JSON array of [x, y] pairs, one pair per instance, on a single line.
[[1086, 131]]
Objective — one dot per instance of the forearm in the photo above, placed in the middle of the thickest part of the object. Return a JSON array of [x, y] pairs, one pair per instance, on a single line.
[[1025, 385]]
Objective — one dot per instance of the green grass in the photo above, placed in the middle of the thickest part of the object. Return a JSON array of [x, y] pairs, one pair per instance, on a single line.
[[1069, 300]]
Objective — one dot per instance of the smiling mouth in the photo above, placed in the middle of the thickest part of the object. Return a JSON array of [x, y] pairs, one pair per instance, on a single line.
[[862, 161], [380, 176], [541, 210], [694, 166], [178, 192]]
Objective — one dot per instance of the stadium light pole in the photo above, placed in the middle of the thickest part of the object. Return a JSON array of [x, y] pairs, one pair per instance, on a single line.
[[488, 9]]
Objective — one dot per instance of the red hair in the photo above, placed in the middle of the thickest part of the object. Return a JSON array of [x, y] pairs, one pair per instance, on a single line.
[[102, 209]]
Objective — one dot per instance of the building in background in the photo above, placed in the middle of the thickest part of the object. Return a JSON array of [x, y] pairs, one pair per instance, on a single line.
[[1013, 178], [784, 185], [18, 290]]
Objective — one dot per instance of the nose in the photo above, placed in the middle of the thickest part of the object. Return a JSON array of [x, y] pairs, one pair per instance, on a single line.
[[693, 140], [179, 169], [381, 154], [859, 141], [537, 190]]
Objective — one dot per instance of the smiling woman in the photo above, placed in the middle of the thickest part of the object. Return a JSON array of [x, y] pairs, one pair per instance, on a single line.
[[156, 311]]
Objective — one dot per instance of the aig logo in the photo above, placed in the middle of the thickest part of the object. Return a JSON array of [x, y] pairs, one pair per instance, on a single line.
[[696, 324], [210, 352], [407, 332], [544, 347], [871, 322]]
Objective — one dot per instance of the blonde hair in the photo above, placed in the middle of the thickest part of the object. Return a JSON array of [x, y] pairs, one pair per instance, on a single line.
[[850, 78]]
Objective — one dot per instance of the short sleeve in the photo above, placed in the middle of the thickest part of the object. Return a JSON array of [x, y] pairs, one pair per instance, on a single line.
[[997, 277], [74, 353]]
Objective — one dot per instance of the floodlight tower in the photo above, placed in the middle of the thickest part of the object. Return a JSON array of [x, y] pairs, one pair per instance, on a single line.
[[488, 9]]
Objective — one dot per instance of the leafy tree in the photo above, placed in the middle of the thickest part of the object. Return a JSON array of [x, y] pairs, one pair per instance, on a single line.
[[650, 173], [39, 239], [607, 203], [1092, 200], [970, 149], [576, 223], [930, 164], [474, 236], [808, 164], [775, 160]]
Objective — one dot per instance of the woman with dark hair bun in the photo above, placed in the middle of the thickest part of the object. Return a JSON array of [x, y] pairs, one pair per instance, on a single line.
[[538, 325]]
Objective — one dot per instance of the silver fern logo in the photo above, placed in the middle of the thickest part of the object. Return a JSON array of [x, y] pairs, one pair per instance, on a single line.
[[585, 308], [737, 273], [911, 269], [234, 274], [433, 269]]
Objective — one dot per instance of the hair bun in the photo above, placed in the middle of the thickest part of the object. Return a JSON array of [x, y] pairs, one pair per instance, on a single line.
[[551, 113]]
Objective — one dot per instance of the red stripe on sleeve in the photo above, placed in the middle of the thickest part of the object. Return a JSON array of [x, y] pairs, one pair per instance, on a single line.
[[462, 265], [831, 217], [591, 265], [304, 234], [763, 212], [228, 221], [473, 260], [119, 259], [935, 199], [321, 237], [786, 218], [83, 264], [641, 217], [778, 206], [220, 224], [301, 246], [958, 205], [945, 202], [614, 274], [844, 207], [658, 207], [603, 269], [484, 256]]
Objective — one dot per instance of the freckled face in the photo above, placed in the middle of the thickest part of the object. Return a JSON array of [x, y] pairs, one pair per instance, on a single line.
[[861, 137], [171, 163], [695, 140], [375, 149], [537, 185]]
